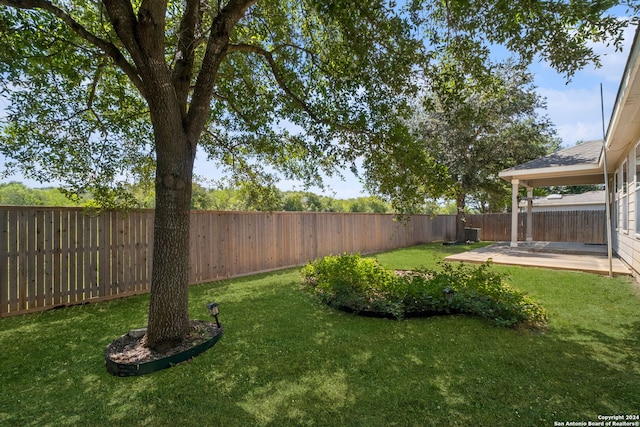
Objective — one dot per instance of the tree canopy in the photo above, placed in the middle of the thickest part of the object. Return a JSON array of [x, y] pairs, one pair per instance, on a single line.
[[18, 194], [103, 92], [296, 82], [473, 129], [302, 87]]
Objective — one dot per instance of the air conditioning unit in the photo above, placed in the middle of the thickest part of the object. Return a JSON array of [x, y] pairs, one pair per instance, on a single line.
[[472, 234]]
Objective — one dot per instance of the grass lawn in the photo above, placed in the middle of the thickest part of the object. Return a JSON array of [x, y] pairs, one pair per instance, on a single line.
[[286, 360]]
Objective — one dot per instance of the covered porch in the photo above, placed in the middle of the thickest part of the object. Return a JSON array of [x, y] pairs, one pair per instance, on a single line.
[[582, 164], [578, 165]]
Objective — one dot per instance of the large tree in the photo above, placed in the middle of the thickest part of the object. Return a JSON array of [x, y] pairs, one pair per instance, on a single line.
[[100, 92], [478, 129], [472, 127]]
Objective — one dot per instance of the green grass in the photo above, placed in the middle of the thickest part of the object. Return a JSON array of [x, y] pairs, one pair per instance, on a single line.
[[285, 360]]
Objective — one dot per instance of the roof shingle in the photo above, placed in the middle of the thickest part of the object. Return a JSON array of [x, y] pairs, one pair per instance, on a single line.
[[585, 153]]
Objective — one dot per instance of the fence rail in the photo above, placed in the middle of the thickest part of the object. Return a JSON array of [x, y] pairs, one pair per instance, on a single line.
[[61, 256]]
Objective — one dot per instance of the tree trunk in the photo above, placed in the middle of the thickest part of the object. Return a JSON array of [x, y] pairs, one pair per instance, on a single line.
[[177, 126], [460, 217], [168, 306]]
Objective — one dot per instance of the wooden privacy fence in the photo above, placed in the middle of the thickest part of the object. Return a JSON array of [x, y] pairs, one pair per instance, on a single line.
[[561, 226], [60, 256]]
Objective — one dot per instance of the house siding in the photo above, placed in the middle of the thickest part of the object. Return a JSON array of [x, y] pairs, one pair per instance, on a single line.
[[626, 242]]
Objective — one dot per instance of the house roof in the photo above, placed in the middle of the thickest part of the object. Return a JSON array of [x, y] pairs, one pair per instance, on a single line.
[[581, 154], [572, 166]]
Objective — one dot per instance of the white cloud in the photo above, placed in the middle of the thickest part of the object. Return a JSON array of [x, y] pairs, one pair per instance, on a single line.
[[577, 113]]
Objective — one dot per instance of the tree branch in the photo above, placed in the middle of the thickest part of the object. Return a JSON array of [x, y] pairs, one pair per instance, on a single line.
[[123, 20], [94, 84], [268, 56], [215, 52], [232, 106], [185, 55], [314, 57], [150, 27], [107, 47]]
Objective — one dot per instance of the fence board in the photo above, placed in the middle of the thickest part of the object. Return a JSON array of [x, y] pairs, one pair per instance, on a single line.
[[103, 246], [127, 239], [4, 259], [14, 266], [46, 250], [135, 234], [89, 283], [28, 296], [76, 261], [65, 258], [113, 258], [75, 278], [56, 259]]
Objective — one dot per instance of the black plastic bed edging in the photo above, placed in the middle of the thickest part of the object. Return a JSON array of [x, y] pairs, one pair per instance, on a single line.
[[134, 369]]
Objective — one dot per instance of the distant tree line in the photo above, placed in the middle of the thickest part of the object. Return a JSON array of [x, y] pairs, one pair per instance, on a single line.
[[223, 199], [18, 194], [243, 199]]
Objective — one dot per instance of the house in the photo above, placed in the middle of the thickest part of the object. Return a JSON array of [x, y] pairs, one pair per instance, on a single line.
[[615, 163], [589, 201]]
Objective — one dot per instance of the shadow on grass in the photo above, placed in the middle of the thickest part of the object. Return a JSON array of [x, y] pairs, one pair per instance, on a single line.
[[285, 360], [450, 371]]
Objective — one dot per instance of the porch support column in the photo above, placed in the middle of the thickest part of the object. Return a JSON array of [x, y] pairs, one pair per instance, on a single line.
[[529, 214], [514, 213]]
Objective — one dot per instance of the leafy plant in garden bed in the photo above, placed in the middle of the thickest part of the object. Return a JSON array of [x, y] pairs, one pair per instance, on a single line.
[[362, 285]]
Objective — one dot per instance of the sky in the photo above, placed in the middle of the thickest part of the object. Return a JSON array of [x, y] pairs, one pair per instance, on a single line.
[[574, 108]]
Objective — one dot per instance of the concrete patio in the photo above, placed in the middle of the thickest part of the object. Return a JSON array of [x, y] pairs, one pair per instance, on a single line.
[[554, 255]]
